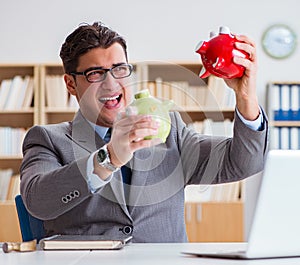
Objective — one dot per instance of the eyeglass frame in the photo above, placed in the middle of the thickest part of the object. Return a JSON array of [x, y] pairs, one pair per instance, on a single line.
[[84, 73]]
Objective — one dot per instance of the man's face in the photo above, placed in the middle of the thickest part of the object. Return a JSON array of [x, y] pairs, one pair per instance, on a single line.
[[101, 102]]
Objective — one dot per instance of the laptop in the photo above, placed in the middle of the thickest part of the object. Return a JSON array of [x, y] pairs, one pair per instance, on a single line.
[[275, 229]]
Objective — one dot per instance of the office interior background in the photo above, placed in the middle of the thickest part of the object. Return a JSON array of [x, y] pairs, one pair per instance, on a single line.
[[32, 31]]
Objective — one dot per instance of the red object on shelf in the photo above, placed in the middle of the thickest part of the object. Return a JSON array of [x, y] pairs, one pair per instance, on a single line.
[[217, 55]]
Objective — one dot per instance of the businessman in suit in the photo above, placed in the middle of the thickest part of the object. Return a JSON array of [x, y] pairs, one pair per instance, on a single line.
[[75, 179]]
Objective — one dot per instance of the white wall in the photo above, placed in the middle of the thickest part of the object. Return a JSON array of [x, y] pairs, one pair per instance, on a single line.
[[168, 30]]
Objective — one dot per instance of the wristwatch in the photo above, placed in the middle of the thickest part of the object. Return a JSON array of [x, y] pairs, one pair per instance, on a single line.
[[103, 159]]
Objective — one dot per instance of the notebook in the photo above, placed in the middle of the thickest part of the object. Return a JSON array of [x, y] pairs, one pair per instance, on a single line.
[[275, 228], [83, 242]]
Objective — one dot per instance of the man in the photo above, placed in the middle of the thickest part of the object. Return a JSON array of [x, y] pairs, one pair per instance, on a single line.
[[72, 179]]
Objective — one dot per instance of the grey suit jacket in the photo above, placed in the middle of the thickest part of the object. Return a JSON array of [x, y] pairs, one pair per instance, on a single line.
[[54, 186]]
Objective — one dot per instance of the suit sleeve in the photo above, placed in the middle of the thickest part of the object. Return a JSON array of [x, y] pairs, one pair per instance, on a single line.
[[46, 162], [211, 160]]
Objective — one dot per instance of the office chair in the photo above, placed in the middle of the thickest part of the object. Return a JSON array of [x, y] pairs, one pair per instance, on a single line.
[[31, 227]]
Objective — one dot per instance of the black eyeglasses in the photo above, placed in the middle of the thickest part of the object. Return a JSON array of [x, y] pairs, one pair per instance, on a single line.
[[98, 74]]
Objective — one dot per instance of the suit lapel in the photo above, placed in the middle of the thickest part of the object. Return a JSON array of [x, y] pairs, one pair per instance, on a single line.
[[84, 136], [116, 185], [141, 165]]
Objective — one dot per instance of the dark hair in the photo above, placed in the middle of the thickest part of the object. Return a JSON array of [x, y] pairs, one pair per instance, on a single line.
[[85, 38]]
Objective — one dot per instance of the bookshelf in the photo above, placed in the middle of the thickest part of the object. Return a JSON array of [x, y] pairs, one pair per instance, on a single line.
[[145, 75], [54, 109], [23, 117], [283, 106], [197, 100], [18, 112]]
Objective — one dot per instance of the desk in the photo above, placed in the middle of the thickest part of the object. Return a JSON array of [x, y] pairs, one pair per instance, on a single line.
[[132, 254]]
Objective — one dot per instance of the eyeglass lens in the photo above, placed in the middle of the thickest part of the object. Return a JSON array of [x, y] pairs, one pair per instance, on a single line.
[[117, 72]]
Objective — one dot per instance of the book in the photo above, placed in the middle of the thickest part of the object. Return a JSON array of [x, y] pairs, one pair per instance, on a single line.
[[21, 93], [295, 106], [56, 92], [285, 101], [4, 92], [5, 178], [14, 92], [28, 94], [83, 242]]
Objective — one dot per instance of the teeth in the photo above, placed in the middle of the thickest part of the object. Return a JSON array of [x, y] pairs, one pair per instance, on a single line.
[[109, 98]]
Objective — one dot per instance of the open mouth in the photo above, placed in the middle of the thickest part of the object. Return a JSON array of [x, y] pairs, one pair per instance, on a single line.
[[111, 101]]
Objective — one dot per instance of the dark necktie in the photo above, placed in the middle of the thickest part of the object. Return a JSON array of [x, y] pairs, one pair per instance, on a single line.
[[126, 171]]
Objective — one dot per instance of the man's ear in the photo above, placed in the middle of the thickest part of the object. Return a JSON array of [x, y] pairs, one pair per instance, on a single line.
[[71, 84]]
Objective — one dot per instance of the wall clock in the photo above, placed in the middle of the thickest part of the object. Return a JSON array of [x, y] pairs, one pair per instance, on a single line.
[[279, 41]]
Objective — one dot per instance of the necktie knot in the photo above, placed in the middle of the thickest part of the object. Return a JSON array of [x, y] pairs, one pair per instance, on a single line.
[[107, 135]]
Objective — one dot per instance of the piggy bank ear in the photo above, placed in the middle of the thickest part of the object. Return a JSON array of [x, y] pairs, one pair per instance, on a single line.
[[212, 34], [201, 47], [204, 73], [224, 30]]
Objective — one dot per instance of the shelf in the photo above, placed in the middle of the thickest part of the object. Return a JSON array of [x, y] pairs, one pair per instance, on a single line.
[[13, 162], [215, 115], [60, 115], [283, 109], [17, 119], [11, 70], [285, 123], [22, 118], [60, 110], [53, 69], [57, 115], [179, 71]]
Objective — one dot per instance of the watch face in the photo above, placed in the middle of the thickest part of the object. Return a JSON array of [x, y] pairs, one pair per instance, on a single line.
[[104, 160], [102, 155], [279, 41]]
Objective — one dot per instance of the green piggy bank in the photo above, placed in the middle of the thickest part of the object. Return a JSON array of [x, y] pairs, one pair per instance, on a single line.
[[146, 104]]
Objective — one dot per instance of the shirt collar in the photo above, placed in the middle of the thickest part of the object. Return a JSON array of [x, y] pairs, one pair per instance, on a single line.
[[100, 130]]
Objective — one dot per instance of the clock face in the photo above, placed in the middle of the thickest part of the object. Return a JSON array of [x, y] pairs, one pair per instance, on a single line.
[[279, 41]]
